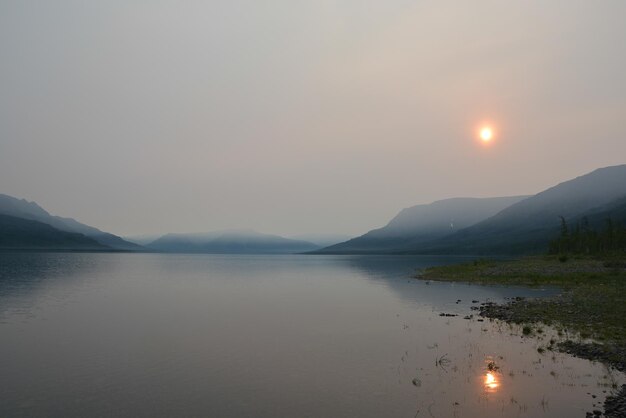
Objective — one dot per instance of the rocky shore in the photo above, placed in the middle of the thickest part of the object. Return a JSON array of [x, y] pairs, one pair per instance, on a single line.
[[589, 314], [524, 311], [615, 405]]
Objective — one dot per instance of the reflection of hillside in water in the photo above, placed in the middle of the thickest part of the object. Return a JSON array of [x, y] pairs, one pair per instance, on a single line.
[[398, 273], [387, 267], [23, 274]]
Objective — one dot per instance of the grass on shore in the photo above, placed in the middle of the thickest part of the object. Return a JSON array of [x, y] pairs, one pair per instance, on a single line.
[[593, 303]]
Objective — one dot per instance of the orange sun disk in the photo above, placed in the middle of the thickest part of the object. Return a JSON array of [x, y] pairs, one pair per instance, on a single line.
[[486, 134]]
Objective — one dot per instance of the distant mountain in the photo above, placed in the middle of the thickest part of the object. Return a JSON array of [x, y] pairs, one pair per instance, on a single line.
[[597, 217], [24, 209], [423, 223], [322, 240], [527, 226], [142, 240], [230, 242], [25, 234]]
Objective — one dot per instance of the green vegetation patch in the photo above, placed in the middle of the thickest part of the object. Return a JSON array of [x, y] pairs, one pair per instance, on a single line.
[[592, 304]]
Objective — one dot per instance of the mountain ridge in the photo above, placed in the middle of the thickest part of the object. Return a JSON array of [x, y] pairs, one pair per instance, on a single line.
[[422, 223], [26, 234], [229, 242], [527, 227], [24, 209]]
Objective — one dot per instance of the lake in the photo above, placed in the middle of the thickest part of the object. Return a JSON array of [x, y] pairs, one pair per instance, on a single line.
[[161, 335]]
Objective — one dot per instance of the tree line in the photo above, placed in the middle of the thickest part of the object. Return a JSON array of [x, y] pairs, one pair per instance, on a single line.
[[582, 239]]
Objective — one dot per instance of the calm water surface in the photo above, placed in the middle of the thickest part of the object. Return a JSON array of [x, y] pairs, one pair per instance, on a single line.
[[150, 335]]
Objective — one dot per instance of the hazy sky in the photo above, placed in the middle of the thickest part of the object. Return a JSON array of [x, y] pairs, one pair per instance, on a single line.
[[300, 116]]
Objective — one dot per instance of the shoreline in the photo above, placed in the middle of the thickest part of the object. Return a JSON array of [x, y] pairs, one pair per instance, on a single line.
[[589, 314]]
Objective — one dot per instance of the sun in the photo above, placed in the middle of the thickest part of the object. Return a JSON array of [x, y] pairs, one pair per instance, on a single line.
[[486, 134]]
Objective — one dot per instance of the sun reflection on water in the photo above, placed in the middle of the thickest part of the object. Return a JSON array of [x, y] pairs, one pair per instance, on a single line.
[[491, 382]]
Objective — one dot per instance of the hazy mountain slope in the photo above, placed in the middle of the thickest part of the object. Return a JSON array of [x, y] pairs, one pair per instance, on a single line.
[[102, 237], [25, 234], [230, 242], [322, 240], [423, 223], [527, 226], [30, 210], [142, 240], [597, 217]]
